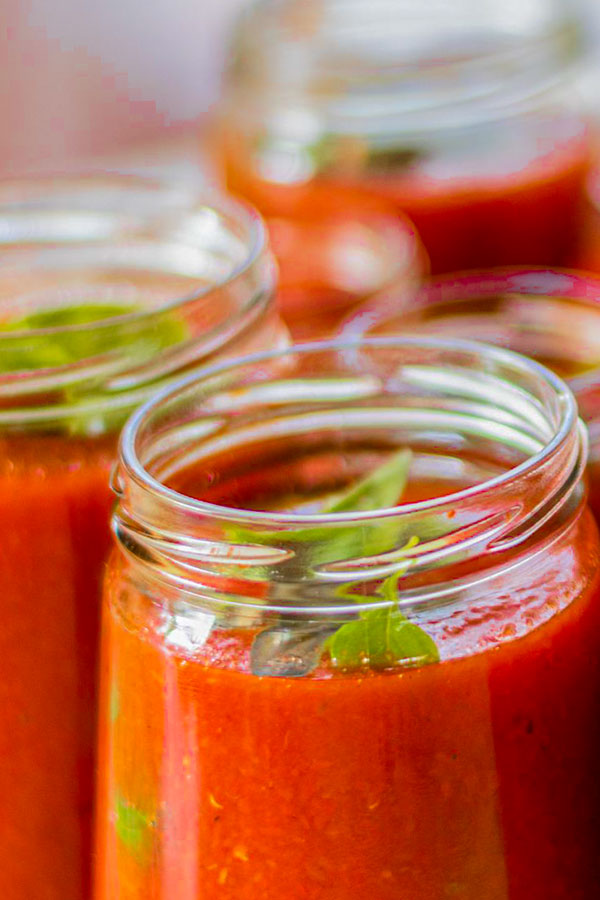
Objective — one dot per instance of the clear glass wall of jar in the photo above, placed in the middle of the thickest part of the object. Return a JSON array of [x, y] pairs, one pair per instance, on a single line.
[[551, 316], [108, 287], [351, 633], [332, 261], [462, 114]]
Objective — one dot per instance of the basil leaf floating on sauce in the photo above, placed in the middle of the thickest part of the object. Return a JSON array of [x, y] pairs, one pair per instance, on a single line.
[[379, 638], [63, 316], [40, 351], [31, 353], [61, 347], [380, 489], [24, 347], [382, 638], [284, 651]]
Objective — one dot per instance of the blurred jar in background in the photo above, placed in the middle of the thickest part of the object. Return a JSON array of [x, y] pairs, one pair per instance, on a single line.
[[109, 287], [332, 260], [462, 114], [549, 315]]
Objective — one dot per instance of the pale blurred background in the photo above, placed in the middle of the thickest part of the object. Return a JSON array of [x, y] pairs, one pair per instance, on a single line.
[[82, 79]]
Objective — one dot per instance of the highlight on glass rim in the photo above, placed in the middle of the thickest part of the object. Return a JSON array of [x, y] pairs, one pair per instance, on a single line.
[[300, 451]]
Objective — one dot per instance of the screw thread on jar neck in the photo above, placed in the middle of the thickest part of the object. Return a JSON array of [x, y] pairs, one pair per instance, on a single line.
[[455, 404], [340, 67]]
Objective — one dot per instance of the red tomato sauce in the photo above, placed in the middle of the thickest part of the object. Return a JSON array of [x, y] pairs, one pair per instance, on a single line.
[[472, 778], [333, 258], [589, 256], [54, 509], [534, 215]]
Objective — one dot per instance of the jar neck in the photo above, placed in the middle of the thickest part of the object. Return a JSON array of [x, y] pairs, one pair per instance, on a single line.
[[327, 70], [94, 319], [526, 310], [457, 406]]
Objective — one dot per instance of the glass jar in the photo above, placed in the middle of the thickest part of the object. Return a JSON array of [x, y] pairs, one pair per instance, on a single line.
[[549, 315], [351, 633], [108, 287], [332, 261], [463, 115]]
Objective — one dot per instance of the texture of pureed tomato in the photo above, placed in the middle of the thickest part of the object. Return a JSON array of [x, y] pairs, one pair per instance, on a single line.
[[475, 777], [54, 510], [534, 214]]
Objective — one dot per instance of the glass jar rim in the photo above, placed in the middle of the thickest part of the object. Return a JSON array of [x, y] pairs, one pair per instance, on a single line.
[[172, 272], [558, 284], [131, 467], [529, 282], [203, 196], [341, 83]]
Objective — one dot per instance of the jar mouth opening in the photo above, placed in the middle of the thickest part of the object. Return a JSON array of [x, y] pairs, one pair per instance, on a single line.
[[387, 71], [137, 209], [458, 32], [165, 274], [134, 468], [446, 304]]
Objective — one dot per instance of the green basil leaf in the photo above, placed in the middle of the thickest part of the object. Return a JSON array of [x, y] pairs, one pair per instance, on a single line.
[[40, 351], [381, 639], [377, 639], [134, 828], [35, 353], [380, 489], [114, 702], [25, 349], [64, 316], [61, 347]]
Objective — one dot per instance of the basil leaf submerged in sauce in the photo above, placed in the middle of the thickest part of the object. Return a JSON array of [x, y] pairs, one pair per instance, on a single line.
[[134, 828]]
